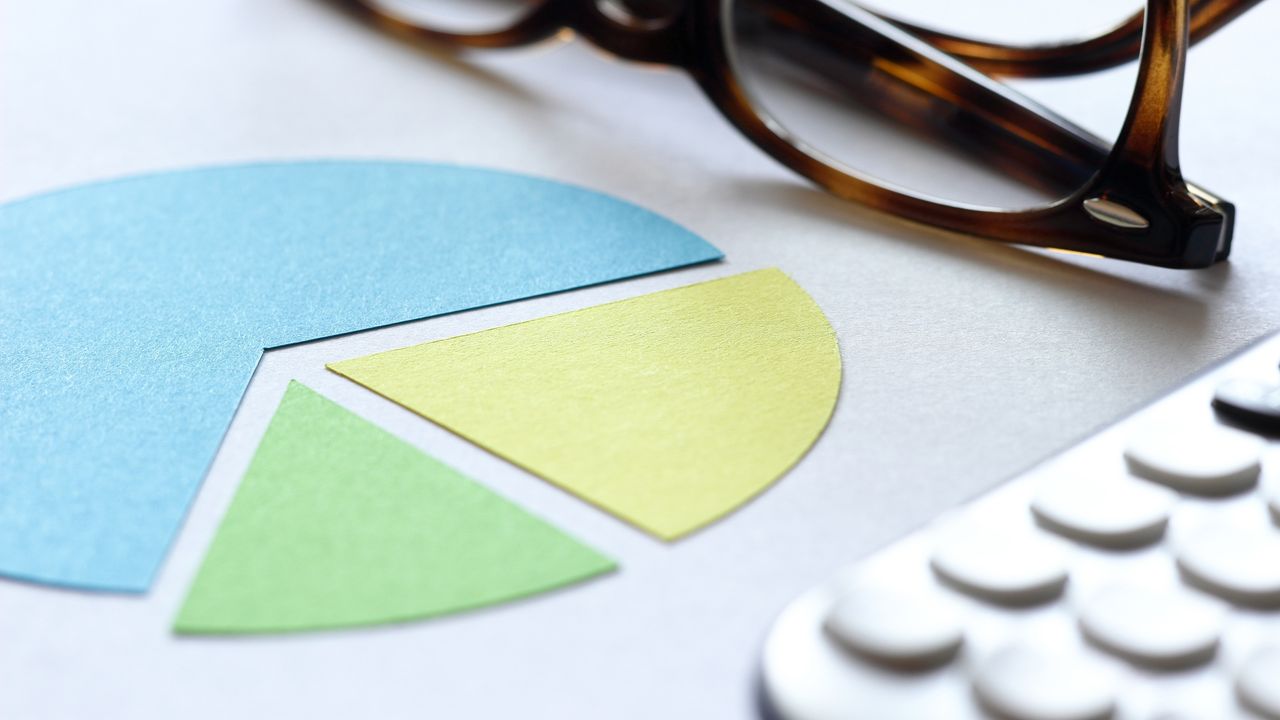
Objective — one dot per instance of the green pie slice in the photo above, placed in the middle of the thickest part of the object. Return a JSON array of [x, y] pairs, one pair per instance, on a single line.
[[337, 524]]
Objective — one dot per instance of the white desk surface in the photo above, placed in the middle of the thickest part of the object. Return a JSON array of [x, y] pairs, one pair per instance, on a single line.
[[964, 360]]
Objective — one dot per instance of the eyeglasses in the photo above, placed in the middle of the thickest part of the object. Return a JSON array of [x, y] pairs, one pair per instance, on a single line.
[[908, 119]]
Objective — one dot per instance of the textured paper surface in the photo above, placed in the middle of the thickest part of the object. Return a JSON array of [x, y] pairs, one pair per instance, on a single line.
[[338, 523], [133, 313], [668, 410]]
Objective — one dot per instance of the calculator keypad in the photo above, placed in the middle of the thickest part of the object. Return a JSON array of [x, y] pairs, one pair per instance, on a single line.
[[1135, 576]]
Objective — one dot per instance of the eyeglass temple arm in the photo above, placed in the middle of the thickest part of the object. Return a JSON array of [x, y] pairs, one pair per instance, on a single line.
[[1109, 49]]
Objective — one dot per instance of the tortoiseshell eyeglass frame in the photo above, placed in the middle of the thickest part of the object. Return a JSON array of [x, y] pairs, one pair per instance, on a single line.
[[1128, 201]]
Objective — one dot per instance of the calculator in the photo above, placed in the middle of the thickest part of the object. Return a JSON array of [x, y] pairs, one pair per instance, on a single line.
[[1134, 576]]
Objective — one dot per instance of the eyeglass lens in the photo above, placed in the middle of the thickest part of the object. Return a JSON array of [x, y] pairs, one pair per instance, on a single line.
[[818, 82]]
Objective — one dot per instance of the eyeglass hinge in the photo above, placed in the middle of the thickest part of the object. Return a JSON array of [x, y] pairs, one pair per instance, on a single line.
[[1115, 214]]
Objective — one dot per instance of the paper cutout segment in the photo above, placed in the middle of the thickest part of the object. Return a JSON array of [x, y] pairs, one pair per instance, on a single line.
[[338, 523], [133, 313], [668, 410]]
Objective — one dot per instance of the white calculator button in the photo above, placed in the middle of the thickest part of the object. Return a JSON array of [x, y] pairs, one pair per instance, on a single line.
[[1202, 459], [1239, 564], [1006, 568], [1027, 684], [895, 628], [1011, 568], [1170, 628], [1112, 512], [1259, 682]]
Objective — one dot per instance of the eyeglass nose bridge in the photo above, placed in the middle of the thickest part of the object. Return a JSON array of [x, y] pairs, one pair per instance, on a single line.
[[643, 15], [650, 31]]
